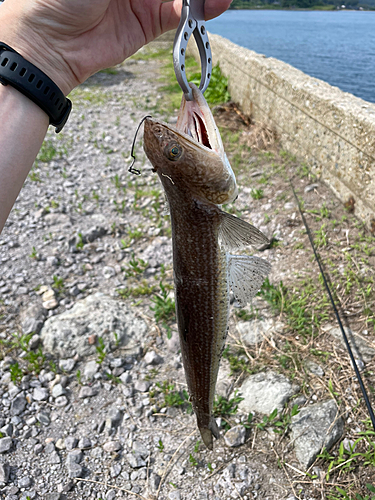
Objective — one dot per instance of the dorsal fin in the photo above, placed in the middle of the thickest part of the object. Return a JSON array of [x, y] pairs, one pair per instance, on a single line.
[[235, 233]]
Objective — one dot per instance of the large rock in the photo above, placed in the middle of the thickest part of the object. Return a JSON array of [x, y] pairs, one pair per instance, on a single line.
[[263, 392], [254, 332], [97, 315], [361, 349], [315, 427]]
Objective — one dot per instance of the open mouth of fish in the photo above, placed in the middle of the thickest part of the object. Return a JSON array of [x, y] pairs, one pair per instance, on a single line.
[[195, 120]]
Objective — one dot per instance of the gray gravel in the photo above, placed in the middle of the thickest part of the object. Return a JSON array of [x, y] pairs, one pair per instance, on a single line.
[[65, 256]]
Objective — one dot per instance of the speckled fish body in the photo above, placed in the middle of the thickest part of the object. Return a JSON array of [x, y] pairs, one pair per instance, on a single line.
[[197, 179]]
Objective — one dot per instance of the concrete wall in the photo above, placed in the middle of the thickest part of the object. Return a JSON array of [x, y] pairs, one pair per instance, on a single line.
[[333, 131]]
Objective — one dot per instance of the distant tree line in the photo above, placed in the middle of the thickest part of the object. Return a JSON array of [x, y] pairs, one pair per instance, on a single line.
[[302, 4]]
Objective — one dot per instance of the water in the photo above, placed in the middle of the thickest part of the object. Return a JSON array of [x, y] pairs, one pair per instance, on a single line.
[[337, 47]]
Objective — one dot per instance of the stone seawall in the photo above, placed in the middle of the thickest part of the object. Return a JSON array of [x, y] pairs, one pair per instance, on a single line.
[[332, 131]]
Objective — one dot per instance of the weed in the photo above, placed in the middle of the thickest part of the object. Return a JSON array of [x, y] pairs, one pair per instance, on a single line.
[[100, 349], [80, 242], [36, 360], [217, 91], [16, 373], [113, 378], [257, 194], [160, 446], [320, 239], [34, 253], [79, 377], [209, 467], [135, 267], [164, 306], [58, 283], [171, 396], [224, 407], [53, 367], [237, 362], [196, 446], [193, 461]]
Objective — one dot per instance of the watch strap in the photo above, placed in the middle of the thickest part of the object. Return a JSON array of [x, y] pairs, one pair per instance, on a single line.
[[36, 85]]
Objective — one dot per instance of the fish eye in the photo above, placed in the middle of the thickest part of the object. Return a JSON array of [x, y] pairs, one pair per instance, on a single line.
[[173, 151]]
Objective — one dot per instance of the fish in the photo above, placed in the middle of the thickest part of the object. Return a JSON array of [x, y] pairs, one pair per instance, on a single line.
[[197, 178]]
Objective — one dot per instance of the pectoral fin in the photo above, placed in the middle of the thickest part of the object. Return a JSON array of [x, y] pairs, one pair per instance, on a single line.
[[246, 275], [235, 233]]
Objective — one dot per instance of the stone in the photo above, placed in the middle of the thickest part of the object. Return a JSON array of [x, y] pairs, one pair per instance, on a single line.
[[84, 443], [141, 449], [86, 392], [114, 418], [98, 314], [52, 496], [361, 349], [174, 495], [108, 272], [255, 331], [54, 458], [112, 446], [5, 444], [314, 427], [135, 460], [70, 442], [91, 367], [58, 390], [235, 436], [18, 405], [314, 368], [33, 319], [173, 344], [151, 358], [111, 495], [61, 401], [115, 470], [74, 456], [40, 394], [93, 233], [4, 472], [154, 481], [43, 418], [34, 341], [224, 383], [50, 304], [142, 385], [67, 365], [265, 391], [24, 482], [74, 470]]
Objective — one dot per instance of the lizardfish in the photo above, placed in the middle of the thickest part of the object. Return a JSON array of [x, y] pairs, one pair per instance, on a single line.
[[197, 178]]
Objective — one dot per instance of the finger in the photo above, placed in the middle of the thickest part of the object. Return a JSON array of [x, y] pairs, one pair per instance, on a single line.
[[170, 12]]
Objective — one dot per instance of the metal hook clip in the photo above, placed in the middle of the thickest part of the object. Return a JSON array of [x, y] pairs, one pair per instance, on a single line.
[[131, 169], [192, 22]]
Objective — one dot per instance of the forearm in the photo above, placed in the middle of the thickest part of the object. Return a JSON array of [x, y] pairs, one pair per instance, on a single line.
[[24, 126]]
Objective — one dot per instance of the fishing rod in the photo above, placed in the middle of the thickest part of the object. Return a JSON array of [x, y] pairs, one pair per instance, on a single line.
[[354, 364]]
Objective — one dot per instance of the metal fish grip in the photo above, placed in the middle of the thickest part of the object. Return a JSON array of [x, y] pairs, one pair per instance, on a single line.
[[192, 22]]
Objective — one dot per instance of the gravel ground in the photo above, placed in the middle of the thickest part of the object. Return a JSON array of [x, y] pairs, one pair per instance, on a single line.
[[97, 409]]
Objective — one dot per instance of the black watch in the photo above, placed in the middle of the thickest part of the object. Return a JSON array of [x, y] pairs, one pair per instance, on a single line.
[[36, 85]]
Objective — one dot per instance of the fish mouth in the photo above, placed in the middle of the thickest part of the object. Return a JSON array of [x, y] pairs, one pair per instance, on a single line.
[[196, 121]]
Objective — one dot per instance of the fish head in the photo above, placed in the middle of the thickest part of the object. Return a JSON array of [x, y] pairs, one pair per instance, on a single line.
[[190, 157]]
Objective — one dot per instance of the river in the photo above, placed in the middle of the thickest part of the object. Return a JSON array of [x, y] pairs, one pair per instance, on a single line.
[[337, 47]]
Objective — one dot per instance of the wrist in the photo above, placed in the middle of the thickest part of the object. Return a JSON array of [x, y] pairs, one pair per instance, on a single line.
[[36, 50]]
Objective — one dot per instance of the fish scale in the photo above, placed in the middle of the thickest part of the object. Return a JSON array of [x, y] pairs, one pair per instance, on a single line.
[[203, 306]]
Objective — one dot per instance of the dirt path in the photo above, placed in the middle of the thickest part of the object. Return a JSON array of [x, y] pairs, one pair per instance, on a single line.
[[112, 420]]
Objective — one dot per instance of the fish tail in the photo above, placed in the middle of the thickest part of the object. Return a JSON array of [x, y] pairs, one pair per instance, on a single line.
[[207, 432]]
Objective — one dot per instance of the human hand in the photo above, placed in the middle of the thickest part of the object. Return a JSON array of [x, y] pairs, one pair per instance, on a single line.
[[71, 40]]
